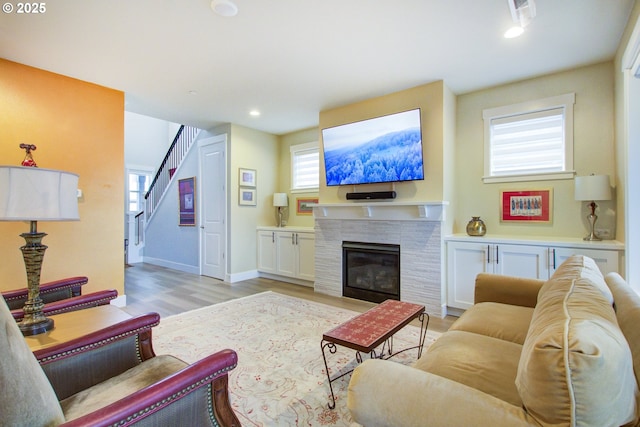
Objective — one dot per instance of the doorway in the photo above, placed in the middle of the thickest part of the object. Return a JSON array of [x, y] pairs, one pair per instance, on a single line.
[[213, 206]]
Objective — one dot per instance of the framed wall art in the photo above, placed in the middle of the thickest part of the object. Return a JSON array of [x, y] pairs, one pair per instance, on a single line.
[[304, 206], [247, 197], [187, 201], [527, 206], [247, 177]]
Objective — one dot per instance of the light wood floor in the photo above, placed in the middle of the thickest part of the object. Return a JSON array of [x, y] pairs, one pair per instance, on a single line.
[[165, 291]]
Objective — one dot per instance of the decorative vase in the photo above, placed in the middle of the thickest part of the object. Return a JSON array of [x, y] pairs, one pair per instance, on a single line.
[[476, 227]]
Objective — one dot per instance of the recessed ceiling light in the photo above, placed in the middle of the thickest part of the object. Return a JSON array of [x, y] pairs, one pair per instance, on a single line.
[[513, 32], [192, 92], [254, 113], [224, 8]]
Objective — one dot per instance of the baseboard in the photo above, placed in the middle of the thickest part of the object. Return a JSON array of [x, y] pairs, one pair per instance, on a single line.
[[238, 277], [457, 312], [293, 280], [193, 269]]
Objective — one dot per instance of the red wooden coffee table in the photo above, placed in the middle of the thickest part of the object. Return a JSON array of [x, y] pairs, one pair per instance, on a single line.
[[365, 332]]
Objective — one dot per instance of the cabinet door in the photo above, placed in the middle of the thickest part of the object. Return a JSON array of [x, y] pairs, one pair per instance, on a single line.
[[607, 261], [521, 261], [266, 251], [286, 262], [305, 243], [464, 262]]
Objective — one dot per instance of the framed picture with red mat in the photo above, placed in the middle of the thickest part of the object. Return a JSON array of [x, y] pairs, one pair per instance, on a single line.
[[527, 206]]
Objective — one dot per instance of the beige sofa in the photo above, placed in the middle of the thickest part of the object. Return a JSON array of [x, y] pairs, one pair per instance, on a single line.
[[528, 353]]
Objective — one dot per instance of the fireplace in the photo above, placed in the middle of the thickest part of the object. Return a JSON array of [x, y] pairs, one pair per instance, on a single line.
[[371, 271]]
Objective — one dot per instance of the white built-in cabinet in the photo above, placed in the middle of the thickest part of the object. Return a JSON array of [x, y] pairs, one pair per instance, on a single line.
[[530, 258], [287, 252]]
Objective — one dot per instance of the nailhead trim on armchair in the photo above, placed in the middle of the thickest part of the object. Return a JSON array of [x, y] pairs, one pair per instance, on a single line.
[[166, 401], [95, 341]]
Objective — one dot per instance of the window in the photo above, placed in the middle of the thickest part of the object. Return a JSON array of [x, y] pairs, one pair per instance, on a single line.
[[529, 141], [138, 182], [305, 167]]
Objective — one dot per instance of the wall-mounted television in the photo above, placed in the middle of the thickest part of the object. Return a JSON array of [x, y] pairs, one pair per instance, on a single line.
[[381, 149]]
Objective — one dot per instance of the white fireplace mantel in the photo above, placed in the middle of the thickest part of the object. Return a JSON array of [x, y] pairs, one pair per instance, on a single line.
[[382, 211]]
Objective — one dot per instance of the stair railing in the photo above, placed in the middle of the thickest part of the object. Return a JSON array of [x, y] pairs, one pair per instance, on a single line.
[[178, 149]]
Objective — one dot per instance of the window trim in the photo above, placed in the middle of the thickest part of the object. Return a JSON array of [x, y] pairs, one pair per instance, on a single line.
[[564, 102], [300, 148], [137, 170]]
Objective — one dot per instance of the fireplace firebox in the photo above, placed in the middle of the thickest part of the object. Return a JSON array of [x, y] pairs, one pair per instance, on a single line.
[[371, 271]]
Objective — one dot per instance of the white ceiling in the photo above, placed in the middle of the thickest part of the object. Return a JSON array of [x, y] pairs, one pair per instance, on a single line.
[[177, 60]]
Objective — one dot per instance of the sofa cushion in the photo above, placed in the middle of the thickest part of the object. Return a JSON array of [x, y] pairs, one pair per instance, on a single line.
[[576, 367], [27, 396], [484, 363], [627, 307], [504, 321], [578, 266]]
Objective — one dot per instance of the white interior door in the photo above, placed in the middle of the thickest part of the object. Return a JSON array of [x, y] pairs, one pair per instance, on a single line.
[[213, 207]]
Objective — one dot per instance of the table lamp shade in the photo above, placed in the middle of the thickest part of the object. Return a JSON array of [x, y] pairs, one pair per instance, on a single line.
[[280, 199], [592, 187], [36, 194]]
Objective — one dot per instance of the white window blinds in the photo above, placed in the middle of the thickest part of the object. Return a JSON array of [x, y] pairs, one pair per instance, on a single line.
[[305, 164], [530, 141]]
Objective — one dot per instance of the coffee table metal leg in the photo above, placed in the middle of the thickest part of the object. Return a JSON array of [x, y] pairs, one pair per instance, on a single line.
[[332, 349], [423, 331]]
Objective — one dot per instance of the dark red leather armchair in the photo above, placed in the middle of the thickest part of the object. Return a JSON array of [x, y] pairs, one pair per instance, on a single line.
[[49, 291], [111, 377], [59, 296]]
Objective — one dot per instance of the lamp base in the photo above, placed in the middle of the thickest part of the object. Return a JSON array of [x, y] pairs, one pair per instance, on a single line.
[[592, 218], [36, 328], [592, 237], [34, 321], [279, 217]]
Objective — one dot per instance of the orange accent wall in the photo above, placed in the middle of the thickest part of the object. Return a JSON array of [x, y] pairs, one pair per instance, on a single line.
[[77, 127]]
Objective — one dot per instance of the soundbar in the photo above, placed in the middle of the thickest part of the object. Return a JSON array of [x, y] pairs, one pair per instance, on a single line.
[[372, 195]]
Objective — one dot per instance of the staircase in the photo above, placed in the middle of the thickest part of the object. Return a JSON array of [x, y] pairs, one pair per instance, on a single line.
[[185, 136]]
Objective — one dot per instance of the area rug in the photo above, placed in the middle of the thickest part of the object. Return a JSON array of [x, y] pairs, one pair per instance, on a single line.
[[280, 379]]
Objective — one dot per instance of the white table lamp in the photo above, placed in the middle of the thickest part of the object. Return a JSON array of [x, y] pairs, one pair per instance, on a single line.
[[280, 201], [34, 194], [592, 188]]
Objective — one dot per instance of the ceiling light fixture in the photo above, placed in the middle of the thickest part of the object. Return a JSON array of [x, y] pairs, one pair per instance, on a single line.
[[224, 8], [254, 113], [513, 32], [522, 12]]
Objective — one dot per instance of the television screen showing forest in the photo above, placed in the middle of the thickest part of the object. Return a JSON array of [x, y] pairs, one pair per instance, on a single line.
[[384, 149]]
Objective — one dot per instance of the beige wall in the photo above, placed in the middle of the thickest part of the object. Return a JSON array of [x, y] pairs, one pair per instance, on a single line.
[[250, 149], [430, 99], [77, 127], [593, 152], [284, 178]]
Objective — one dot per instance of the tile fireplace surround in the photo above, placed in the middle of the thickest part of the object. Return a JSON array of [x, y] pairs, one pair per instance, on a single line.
[[416, 227]]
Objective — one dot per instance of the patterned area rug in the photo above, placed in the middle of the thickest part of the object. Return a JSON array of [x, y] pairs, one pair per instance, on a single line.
[[280, 379]]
